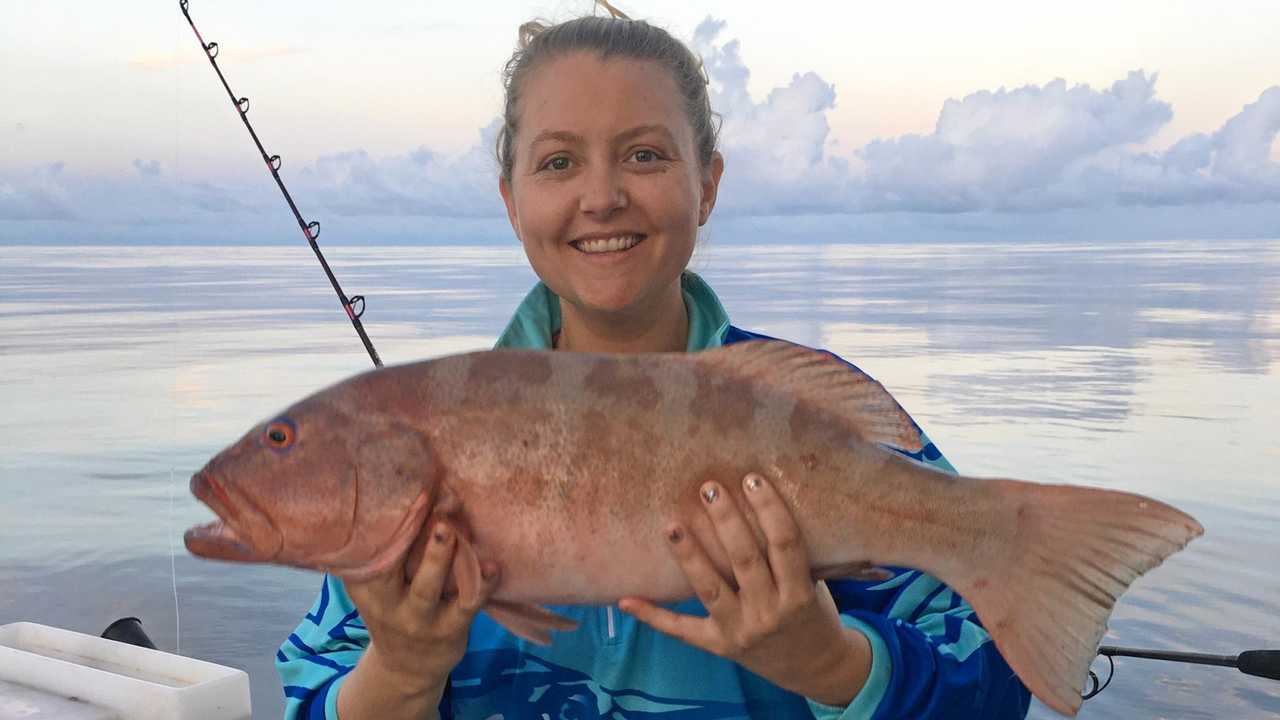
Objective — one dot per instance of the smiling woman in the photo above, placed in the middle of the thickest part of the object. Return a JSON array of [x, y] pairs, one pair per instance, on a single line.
[[608, 168], [609, 217]]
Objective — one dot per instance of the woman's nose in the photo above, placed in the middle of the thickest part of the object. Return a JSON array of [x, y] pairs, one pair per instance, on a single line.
[[602, 191]]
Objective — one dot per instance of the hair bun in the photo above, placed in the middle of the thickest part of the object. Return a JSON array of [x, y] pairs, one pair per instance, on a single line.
[[613, 10], [529, 31]]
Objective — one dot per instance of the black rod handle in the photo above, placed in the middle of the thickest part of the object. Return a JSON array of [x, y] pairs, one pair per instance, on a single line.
[[1262, 663]]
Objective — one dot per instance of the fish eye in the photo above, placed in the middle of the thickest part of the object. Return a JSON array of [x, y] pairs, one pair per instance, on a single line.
[[280, 434]]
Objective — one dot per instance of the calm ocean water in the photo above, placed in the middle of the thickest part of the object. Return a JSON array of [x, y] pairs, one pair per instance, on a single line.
[[1152, 367]]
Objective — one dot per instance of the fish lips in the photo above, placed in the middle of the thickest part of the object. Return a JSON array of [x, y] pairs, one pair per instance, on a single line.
[[241, 533]]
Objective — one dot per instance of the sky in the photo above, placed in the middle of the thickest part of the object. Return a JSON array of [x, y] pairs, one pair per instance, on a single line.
[[884, 119]]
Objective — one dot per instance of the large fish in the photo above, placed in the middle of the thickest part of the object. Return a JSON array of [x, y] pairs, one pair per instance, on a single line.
[[566, 467]]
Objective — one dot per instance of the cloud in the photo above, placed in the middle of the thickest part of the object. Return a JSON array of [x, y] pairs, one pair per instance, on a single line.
[[150, 168], [1232, 164], [37, 195], [1045, 150], [1035, 148], [1011, 150], [774, 150], [418, 183]]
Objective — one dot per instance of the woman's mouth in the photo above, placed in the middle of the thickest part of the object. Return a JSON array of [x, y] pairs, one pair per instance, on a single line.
[[607, 245]]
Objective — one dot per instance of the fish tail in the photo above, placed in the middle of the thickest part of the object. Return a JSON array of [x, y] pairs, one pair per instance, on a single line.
[[1073, 552]]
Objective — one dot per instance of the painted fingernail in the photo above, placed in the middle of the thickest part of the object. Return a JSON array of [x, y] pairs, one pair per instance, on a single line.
[[710, 493], [753, 482], [675, 535]]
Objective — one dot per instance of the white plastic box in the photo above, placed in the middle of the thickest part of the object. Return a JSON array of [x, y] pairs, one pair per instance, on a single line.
[[48, 672]]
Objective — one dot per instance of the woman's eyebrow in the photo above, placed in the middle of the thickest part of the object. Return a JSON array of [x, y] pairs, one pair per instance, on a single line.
[[629, 133]]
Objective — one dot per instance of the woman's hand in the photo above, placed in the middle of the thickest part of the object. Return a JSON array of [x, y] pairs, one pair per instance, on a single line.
[[417, 628], [778, 623]]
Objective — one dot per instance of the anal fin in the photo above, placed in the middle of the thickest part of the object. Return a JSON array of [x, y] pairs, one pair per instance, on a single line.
[[863, 571], [531, 622]]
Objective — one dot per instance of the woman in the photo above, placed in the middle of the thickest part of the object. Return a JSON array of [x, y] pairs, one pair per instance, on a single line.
[[608, 168]]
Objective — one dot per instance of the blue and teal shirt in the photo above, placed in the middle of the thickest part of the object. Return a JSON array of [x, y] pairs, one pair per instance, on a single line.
[[931, 658]]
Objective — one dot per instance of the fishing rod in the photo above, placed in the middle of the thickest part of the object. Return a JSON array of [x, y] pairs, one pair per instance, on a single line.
[[1260, 663], [354, 306]]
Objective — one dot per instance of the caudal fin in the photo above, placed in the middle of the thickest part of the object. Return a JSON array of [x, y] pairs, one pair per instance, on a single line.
[[1075, 550]]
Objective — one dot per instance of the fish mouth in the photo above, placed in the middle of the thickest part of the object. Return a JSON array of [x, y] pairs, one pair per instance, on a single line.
[[228, 537]]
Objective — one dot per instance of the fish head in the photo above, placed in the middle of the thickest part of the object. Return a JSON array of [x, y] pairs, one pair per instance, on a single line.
[[317, 487]]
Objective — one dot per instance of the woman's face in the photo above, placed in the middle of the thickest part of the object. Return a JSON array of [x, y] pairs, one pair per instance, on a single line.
[[606, 191]]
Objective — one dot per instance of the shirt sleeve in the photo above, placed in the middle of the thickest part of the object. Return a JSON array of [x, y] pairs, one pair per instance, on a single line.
[[317, 656], [931, 657]]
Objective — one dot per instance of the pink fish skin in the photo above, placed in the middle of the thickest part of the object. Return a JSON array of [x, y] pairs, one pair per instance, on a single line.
[[565, 468]]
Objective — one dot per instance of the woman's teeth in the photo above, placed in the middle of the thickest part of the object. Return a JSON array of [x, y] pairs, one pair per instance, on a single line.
[[603, 245]]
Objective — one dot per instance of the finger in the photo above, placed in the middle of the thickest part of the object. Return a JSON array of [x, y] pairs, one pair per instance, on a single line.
[[472, 586], [697, 631], [433, 569], [708, 584], [750, 567], [788, 556]]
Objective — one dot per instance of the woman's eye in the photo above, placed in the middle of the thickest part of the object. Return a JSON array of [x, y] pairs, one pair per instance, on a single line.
[[557, 163]]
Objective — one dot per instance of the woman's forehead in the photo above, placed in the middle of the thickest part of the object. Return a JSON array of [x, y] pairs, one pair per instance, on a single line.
[[582, 96]]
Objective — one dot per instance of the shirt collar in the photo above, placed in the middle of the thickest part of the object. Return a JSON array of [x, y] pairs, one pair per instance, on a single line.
[[537, 319]]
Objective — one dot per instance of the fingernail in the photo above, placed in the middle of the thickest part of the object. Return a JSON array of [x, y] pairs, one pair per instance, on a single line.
[[675, 535], [710, 493], [753, 482], [488, 573], [441, 535]]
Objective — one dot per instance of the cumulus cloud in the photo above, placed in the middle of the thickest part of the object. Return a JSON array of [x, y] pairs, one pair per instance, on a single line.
[[1232, 164], [1033, 148], [37, 195], [1011, 149], [774, 150], [1056, 147], [420, 182]]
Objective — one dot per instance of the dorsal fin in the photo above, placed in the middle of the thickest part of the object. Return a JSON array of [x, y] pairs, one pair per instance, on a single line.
[[822, 380]]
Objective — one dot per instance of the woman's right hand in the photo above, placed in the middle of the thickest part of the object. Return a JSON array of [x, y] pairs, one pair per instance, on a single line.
[[417, 628]]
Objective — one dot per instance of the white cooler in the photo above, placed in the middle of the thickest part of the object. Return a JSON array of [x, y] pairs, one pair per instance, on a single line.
[[48, 672]]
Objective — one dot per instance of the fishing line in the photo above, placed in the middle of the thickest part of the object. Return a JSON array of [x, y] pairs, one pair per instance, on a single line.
[[173, 359], [173, 570], [354, 306]]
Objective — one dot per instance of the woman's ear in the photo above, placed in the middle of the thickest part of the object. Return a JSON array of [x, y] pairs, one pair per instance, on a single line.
[[508, 198], [710, 185]]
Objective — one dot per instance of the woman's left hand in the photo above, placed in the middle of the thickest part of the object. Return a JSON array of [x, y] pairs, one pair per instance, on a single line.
[[778, 623]]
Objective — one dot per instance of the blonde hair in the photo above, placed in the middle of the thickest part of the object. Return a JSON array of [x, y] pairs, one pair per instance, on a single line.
[[614, 36]]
